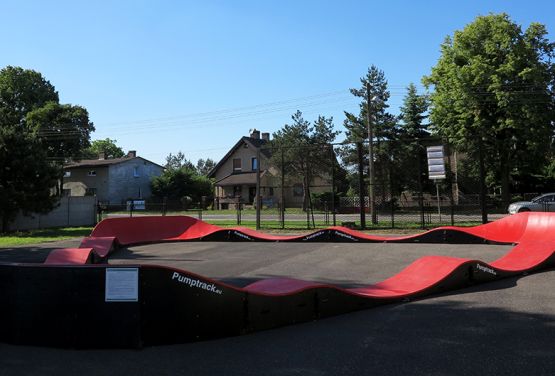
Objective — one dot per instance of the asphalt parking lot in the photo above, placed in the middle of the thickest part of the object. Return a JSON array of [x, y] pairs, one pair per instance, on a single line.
[[504, 327]]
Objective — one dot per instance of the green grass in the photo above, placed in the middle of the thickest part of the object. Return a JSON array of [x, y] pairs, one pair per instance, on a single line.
[[40, 236]]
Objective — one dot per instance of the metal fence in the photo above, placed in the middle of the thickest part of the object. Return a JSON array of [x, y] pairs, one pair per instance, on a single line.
[[316, 186]]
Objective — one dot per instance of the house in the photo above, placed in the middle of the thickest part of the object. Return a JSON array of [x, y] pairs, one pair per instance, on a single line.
[[112, 181], [235, 176]]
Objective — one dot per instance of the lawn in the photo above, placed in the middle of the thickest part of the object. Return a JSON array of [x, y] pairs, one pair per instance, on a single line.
[[40, 236]]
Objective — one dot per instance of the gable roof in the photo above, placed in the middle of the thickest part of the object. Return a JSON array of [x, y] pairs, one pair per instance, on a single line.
[[256, 143], [104, 162]]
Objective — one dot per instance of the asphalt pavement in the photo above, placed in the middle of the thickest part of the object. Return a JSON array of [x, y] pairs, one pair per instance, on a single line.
[[505, 327]]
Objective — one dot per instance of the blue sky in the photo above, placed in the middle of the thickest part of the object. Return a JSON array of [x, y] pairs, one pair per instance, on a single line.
[[169, 76]]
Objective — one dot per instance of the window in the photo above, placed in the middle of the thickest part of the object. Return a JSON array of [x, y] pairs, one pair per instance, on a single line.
[[237, 164], [136, 172], [271, 191], [90, 192], [67, 174], [237, 190], [254, 163], [91, 173]]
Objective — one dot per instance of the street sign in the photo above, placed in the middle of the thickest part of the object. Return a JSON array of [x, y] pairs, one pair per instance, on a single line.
[[436, 163]]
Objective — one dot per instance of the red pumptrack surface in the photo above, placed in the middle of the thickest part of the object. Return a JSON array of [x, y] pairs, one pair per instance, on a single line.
[[533, 235]]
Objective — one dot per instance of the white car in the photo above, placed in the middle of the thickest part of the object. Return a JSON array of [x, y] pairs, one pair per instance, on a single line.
[[541, 203]]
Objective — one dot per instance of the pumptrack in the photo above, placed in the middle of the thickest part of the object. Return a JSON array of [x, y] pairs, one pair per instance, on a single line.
[[63, 302]]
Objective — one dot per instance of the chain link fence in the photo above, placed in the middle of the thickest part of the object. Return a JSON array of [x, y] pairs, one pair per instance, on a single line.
[[317, 186]]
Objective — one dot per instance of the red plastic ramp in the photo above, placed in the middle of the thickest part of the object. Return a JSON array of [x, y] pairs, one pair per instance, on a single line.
[[510, 229], [149, 229], [69, 256]]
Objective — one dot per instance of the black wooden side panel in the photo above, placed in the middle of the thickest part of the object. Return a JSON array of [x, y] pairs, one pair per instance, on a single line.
[[65, 307], [265, 312], [176, 308]]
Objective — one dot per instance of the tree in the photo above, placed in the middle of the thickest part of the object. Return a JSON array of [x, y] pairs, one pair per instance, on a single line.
[[26, 175], [413, 128], [384, 126], [184, 185], [108, 147], [178, 161], [204, 166], [413, 114], [305, 149], [22, 91], [493, 91], [64, 131]]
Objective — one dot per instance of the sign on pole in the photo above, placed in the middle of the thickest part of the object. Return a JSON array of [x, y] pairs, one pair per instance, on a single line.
[[436, 163]]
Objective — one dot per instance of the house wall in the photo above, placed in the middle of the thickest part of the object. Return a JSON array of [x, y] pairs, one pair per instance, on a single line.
[[245, 154], [79, 181], [123, 185]]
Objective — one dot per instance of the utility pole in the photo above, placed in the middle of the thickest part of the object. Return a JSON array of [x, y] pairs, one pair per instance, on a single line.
[[371, 198]]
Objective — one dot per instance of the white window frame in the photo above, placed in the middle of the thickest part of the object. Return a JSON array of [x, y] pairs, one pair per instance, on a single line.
[[240, 168]]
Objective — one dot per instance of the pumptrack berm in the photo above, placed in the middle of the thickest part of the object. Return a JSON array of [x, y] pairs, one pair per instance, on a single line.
[[62, 302]]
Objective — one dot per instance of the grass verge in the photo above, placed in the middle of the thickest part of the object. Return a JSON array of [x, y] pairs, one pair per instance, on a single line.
[[44, 235]]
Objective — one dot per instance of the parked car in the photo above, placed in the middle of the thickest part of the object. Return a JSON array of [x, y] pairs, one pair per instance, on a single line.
[[545, 202]]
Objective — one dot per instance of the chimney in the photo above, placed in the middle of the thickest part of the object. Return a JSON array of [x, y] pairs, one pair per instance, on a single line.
[[266, 136], [255, 134], [132, 154], [101, 156]]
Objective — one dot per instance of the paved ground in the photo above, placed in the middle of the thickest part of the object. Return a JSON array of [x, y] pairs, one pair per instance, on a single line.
[[339, 263], [505, 327]]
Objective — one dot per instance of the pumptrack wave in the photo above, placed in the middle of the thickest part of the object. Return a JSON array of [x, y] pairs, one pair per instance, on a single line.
[[208, 308]]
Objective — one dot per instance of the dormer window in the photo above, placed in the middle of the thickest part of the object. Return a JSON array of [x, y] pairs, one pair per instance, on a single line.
[[91, 173]]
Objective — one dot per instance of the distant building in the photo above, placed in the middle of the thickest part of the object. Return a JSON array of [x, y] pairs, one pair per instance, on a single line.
[[235, 176], [112, 181]]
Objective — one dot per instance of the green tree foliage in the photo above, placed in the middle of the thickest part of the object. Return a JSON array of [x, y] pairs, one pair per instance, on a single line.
[[22, 91], [410, 153], [178, 161], [64, 129], [205, 165], [26, 175], [108, 147], [384, 124], [493, 89], [183, 185], [413, 114], [306, 150]]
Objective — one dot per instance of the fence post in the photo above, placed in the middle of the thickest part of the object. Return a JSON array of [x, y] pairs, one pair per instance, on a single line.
[[282, 206], [361, 186], [68, 212], [483, 206], [238, 209], [257, 200], [332, 157], [420, 193]]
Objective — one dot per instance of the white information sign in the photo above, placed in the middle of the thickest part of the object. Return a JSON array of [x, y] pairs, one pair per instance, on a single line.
[[436, 163], [122, 285]]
